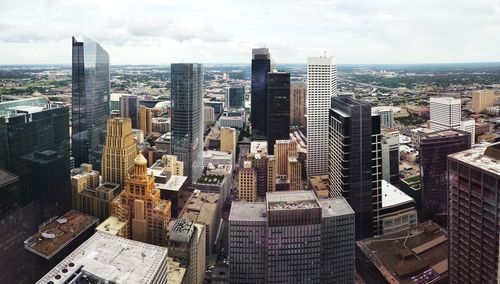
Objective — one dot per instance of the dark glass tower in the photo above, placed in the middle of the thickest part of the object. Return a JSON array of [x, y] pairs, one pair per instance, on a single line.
[[90, 107], [434, 149], [261, 65], [187, 117], [129, 107], [35, 180], [278, 108], [355, 161], [235, 97]]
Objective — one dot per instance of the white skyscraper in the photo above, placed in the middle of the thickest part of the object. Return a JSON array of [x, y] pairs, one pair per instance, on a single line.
[[469, 125], [321, 86], [445, 113]]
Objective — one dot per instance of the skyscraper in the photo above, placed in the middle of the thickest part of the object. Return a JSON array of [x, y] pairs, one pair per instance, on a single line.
[[445, 113], [119, 151], [261, 66], [145, 120], [434, 148], [482, 99], [129, 107], [390, 156], [298, 104], [473, 215], [140, 207], [235, 97], [187, 117], [247, 182], [321, 86], [355, 161], [90, 96], [292, 238], [278, 108]]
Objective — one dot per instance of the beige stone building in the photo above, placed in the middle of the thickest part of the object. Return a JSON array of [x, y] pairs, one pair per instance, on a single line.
[[146, 120], [298, 104], [119, 151], [247, 182], [172, 165], [228, 140], [139, 205], [482, 100], [81, 179]]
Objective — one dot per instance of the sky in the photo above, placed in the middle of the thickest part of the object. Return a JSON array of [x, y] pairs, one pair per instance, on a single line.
[[224, 31]]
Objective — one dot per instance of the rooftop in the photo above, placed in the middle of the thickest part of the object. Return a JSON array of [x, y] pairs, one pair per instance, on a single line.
[[7, 177], [392, 196], [291, 200], [405, 256], [445, 100], [57, 232], [335, 207], [248, 211], [258, 146], [201, 207], [112, 225], [485, 158], [175, 273], [113, 258], [174, 183], [444, 134], [211, 179]]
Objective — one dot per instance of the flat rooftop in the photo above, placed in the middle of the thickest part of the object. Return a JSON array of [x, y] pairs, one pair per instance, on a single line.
[[248, 211], [406, 256], [331, 207], [444, 134], [57, 232], [319, 182], [485, 158], [175, 274], [174, 183], [7, 177], [258, 146], [291, 200], [392, 196], [201, 207], [112, 225], [113, 258]]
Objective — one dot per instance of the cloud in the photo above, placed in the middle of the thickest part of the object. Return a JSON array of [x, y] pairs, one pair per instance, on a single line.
[[361, 31]]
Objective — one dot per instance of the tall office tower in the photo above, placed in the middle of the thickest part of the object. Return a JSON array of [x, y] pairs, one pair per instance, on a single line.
[[228, 140], [292, 238], [288, 168], [145, 120], [445, 113], [355, 161], [129, 107], [261, 66], [469, 126], [90, 101], [112, 260], [260, 162], [187, 241], [208, 115], [140, 207], [298, 104], [390, 156], [294, 173], [187, 117], [282, 150], [386, 117], [482, 99], [119, 151], [235, 97], [434, 149], [35, 155], [321, 86], [473, 215], [278, 108], [247, 182]]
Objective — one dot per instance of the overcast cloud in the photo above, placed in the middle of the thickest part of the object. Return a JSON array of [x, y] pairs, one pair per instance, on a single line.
[[223, 31]]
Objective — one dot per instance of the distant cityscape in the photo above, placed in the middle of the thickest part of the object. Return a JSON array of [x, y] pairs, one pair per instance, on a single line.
[[257, 172]]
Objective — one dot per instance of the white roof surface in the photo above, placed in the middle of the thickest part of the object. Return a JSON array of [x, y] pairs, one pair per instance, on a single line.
[[392, 196], [115, 259]]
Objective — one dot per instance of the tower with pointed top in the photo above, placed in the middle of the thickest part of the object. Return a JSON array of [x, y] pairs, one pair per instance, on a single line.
[[140, 207], [119, 151]]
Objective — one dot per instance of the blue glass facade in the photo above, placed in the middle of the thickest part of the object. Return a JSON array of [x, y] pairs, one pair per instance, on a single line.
[[261, 65], [187, 117], [236, 97], [90, 101], [278, 108]]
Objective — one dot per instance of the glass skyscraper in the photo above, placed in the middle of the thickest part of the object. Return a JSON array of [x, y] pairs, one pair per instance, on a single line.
[[355, 161], [187, 117], [90, 106], [235, 97], [278, 108], [261, 65]]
